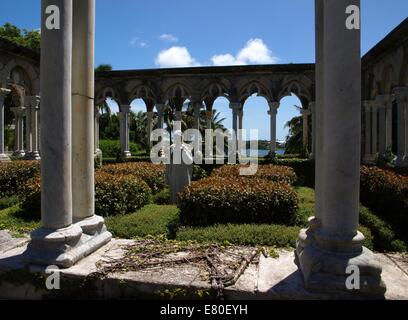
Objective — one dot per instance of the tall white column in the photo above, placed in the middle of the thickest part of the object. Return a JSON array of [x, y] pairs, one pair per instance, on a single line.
[[336, 244], [3, 94], [367, 131], [388, 122], [35, 108], [305, 132], [312, 107], [97, 117], [149, 116], [59, 242], [273, 111], [124, 131], [382, 127], [19, 131], [235, 107], [28, 128], [374, 129], [401, 97]]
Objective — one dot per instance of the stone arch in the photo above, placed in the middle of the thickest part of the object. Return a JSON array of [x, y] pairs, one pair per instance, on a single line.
[[212, 92], [255, 87], [177, 90], [297, 88], [145, 93], [108, 92], [27, 76], [387, 82], [403, 77]]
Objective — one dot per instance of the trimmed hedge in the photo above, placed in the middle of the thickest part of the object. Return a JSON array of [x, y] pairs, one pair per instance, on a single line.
[[15, 174], [119, 194], [230, 200], [384, 237], [386, 193], [112, 149], [152, 174], [267, 172]]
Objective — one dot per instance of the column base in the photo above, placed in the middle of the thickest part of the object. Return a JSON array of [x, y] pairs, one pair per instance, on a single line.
[[126, 155], [19, 153], [32, 156], [369, 158], [324, 270], [4, 157], [65, 247]]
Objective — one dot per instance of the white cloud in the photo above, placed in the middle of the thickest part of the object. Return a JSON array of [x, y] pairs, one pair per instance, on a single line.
[[137, 42], [168, 37], [175, 57], [255, 52]]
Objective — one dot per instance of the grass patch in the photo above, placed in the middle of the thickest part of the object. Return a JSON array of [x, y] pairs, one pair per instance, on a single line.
[[306, 205], [12, 219], [153, 220]]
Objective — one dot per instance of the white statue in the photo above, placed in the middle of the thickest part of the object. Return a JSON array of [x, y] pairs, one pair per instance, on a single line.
[[180, 170]]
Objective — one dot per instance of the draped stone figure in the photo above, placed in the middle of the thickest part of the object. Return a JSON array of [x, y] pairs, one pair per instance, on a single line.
[[180, 169]]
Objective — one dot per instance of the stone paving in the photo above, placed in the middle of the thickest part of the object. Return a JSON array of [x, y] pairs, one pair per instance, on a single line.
[[268, 278]]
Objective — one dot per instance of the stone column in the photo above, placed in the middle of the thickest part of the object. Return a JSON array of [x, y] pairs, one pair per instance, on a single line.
[[235, 109], [28, 129], [305, 132], [97, 117], [149, 115], [388, 122], [209, 116], [35, 108], [178, 115], [3, 94], [197, 109], [19, 131], [160, 115], [374, 131], [381, 126], [367, 142], [85, 122], [56, 241], [240, 128], [336, 243], [312, 107], [273, 111], [401, 97], [124, 131]]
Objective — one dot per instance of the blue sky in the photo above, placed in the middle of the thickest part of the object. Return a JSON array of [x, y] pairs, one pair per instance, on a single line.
[[138, 34]]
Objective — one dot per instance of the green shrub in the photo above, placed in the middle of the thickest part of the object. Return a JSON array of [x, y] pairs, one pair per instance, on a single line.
[[151, 220], [384, 237], [267, 172], [8, 202], [119, 194], [111, 148], [162, 197], [15, 174], [304, 169], [152, 174], [31, 198], [251, 235], [198, 173], [229, 200], [386, 193]]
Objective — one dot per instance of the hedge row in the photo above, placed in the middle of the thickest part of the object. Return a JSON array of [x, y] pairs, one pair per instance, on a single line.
[[152, 174], [386, 193], [114, 195], [230, 200], [268, 172], [14, 175]]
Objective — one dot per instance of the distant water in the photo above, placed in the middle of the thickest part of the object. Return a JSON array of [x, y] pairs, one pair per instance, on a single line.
[[264, 153]]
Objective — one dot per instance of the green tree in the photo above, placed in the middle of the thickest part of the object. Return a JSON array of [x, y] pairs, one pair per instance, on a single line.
[[27, 38], [103, 67]]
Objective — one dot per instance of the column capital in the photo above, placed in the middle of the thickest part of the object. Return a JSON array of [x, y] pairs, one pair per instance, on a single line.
[[273, 107], [160, 108], [235, 105], [368, 104], [18, 111], [305, 112], [4, 92], [401, 94], [33, 102], [125, 108]]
